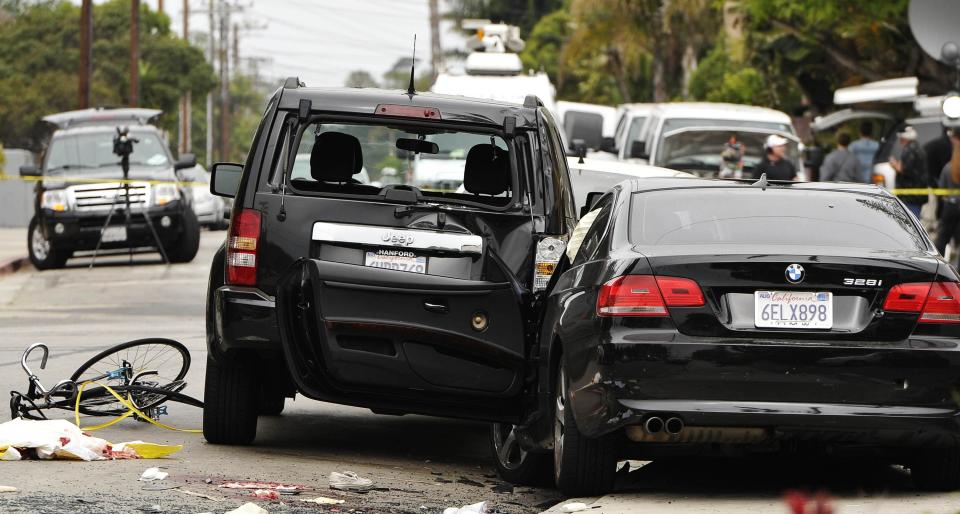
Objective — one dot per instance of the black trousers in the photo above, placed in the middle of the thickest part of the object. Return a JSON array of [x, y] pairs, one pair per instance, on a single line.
[[948, 227]]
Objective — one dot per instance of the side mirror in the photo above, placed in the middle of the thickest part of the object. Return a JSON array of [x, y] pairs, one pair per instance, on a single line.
[[638, 150], [225, 179], [592, 198], [814, 156], [608, 144], [187, 160], [578, 147], [29, 170]]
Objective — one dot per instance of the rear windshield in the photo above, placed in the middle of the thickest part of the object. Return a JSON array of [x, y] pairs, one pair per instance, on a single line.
[[357, 159], [773, 217]]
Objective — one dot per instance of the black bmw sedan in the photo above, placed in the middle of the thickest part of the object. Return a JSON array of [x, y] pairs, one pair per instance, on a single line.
[[698, 317]]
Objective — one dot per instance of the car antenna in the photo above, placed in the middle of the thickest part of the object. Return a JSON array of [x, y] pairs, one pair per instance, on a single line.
[[413, 63], [762, 183]]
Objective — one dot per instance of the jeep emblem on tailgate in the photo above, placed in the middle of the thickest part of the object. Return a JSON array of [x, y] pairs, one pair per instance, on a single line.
[[397, 238]]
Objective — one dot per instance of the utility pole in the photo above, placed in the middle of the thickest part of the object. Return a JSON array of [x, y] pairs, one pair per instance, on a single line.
[[236, 49], [159, 5], [185, 116], [436, 54], [225, 82], [210, 94], [134, 52], [86, 61]]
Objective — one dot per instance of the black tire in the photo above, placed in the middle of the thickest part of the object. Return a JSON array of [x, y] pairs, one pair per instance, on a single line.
[[514, 464], [230, 401], [937, 470], [169, 358], [583, 466], [186, 248], [272, 401], [42, 254]]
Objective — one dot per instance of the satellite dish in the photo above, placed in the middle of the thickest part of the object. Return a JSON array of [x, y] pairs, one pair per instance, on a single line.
[[936, 27]]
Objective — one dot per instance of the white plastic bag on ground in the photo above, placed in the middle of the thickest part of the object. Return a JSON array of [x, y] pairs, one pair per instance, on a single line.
[[152, 474], [349, 481], [61, 439], [476, 508]]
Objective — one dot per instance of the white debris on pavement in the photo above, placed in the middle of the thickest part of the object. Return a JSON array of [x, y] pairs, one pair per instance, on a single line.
[[322, 500], [7, 489], [152, 474], [476, 508], [60, 439], [349, 481], [248, 508], [574, 507]]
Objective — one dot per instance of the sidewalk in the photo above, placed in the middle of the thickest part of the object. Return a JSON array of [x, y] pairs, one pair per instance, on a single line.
[[13, 246]]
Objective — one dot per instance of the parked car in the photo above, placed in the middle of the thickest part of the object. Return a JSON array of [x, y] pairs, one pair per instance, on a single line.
[[390, 297], [704, 317], [586, 124], [82, 183], [595, 176], [212, 211], [716, 121], [631, 120]]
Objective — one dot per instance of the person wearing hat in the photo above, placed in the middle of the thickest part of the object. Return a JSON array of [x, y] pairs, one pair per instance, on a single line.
[[911, 169], [774, 162]]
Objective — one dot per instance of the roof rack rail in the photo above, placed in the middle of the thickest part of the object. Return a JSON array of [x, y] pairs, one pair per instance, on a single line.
[[532, 102], [293, 83]]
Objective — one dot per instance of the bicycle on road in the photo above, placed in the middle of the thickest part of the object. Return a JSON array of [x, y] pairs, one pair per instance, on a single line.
[[145, 373]]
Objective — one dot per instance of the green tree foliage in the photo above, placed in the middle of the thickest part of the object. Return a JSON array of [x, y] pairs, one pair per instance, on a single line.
[[39, 62], [522, 13], [360, 78]]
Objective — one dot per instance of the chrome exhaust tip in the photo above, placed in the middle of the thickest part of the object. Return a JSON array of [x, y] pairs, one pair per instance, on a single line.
[[673, 426], [653, 425]]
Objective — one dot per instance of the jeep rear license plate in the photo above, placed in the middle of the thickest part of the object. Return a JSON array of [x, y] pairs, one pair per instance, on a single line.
[[114, 234], [399, 260], [793, 309]]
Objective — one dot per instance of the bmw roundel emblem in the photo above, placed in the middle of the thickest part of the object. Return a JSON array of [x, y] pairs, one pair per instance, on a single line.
[[794, 273]]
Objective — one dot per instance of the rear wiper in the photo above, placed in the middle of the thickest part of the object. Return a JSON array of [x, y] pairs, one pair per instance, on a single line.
[[407, 210]]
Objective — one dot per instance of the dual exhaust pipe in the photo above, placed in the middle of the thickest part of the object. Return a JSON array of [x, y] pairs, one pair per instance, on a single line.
[[655, 424]]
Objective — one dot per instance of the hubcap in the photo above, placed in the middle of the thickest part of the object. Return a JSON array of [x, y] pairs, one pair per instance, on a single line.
[[558, 424], [507, 447], [39, 244]]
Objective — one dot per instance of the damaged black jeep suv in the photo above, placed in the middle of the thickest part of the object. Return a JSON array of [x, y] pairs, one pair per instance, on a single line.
[[386, 250]]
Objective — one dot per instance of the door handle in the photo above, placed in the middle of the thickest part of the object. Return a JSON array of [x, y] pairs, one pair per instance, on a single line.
[[436, 307]]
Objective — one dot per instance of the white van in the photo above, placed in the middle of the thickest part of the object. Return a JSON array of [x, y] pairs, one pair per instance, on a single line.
[[690, 136]]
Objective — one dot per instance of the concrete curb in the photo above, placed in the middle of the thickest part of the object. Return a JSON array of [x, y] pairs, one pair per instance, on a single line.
[[13, 265]]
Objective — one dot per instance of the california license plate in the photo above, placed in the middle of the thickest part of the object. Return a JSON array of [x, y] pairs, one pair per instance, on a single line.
[[114, 234], [399, 260], [793, 309]]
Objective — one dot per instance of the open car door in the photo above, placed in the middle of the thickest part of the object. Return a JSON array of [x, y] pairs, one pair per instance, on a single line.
[[439, 339]]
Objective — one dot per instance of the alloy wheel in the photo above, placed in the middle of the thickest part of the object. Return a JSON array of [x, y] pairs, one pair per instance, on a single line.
[[39, 245], [507, 447], [559, 425]]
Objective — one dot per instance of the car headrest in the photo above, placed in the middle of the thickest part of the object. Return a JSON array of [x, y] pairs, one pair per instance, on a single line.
[[487, 171], [336, 157]]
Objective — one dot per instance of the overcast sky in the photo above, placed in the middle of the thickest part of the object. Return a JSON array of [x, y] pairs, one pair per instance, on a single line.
[[322, 41]]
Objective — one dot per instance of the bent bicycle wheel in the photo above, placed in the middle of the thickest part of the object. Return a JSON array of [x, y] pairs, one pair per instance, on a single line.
[[156, 363]]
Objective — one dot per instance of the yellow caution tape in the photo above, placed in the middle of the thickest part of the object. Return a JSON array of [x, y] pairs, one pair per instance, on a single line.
[[926, 190], [102, 180], [131, 410]]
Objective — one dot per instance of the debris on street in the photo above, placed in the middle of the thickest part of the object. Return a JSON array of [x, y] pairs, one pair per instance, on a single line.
[[322, 500], [266, 494], [574, 507], [22, 439], [475, 508], [201, 495], [273, 486], [248, 508], [152, 474], [7, 489], [349, 481]]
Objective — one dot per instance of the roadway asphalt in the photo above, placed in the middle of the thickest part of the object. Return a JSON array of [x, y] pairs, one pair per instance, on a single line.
[[418, 464]]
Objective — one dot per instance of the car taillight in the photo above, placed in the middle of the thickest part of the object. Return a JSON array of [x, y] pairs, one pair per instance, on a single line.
[[937, 302], [242, 248], [646, 295]]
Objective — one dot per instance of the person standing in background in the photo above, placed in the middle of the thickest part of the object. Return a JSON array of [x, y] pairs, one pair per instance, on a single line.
[[948, 226], [865, 148], [911, 169], [774, 163], [841, 165]]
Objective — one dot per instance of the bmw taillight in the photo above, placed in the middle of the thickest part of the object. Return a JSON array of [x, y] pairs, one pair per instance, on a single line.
[[646, 295], [937, 302], [242, 248]]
